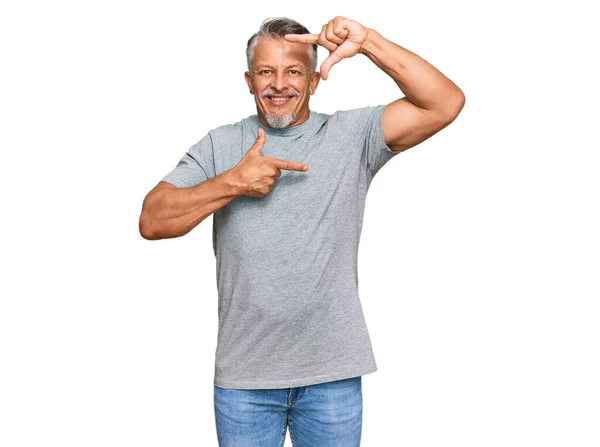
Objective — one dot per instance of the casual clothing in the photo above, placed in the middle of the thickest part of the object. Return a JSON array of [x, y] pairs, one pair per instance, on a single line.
[[289, 310], [325, 414]]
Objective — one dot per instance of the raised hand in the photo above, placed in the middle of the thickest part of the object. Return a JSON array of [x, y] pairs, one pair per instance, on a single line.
[[255, 174], [342, 37]]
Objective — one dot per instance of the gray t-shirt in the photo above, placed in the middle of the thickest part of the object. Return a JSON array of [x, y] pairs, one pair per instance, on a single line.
[[287, 280]]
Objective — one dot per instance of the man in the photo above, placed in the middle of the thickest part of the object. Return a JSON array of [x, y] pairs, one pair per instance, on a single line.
[[293, 343]]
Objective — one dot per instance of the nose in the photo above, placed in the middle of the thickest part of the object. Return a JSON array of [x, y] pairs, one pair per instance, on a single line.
[[280, 81]]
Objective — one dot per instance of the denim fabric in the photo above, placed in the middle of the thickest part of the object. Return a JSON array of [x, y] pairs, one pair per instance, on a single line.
[[326, 414]]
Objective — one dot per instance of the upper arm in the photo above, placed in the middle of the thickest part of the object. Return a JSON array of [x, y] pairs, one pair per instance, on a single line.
[[405, 124], [195, 166]]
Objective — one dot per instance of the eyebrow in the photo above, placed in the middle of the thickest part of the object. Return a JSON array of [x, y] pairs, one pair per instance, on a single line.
[[270, 66]]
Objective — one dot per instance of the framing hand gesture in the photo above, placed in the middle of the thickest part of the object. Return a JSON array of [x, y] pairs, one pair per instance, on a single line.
[[342, 37]]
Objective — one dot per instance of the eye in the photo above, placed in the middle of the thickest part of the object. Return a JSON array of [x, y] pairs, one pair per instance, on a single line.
[[294, 72], [265, 71]]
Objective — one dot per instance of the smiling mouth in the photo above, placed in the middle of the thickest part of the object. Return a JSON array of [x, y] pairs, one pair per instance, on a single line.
[[279, 100]]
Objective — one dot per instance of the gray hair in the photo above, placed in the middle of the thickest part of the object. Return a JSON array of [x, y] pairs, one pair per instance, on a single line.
[[277, 27]]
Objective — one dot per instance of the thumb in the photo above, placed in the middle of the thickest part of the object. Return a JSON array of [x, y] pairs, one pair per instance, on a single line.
[[259, 143], [331, 60]]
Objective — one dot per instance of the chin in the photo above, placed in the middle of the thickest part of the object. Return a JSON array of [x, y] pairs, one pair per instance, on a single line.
[[280, 120]]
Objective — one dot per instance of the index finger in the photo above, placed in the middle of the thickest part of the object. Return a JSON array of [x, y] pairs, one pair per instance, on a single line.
[[288, 164], [302, 38]]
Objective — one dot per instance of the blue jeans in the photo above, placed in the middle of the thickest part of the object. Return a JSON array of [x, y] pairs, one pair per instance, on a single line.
[[325, 415]]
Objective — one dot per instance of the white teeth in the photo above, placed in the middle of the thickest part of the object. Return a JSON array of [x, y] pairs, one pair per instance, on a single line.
[[279, 99]]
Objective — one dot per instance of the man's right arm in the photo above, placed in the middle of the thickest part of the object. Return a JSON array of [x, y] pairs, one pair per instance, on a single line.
[[169, 212]]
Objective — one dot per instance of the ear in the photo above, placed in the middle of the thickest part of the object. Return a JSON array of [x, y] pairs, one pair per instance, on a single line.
[[248, 79], [314, 82]]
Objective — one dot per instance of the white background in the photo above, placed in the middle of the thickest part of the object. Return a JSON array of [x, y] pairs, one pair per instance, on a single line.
[[479, 258]]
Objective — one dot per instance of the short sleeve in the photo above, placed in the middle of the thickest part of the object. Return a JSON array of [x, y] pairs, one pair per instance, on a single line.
[[196, 166], [377, 152]]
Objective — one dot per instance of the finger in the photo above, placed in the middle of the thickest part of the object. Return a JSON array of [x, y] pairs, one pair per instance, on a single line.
[[270, 169], [340, 24], [331, 34], [302, 38], [288, 164], [331, 60], [259, 143], [322, 40]]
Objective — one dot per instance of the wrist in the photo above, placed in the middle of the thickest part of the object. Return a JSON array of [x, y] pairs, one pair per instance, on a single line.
[[232, 183], [369, 43]]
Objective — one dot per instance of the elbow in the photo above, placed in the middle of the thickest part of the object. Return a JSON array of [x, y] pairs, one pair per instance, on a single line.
[[460, 101], [452, 107], [148, 224], [457, 103], [147, 230]]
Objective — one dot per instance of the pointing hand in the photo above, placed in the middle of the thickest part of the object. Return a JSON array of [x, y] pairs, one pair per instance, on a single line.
[[256, 174], [342, 37]]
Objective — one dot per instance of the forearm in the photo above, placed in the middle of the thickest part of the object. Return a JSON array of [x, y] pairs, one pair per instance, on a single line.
[[422, 83], [174, 212]]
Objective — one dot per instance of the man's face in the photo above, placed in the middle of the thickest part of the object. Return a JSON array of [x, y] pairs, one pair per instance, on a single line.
[[281, 82]]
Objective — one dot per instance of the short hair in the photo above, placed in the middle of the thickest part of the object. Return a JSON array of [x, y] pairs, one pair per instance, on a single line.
[[277, 27]]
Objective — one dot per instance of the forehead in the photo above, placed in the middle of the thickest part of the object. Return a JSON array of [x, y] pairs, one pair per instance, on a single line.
[[280, 52]]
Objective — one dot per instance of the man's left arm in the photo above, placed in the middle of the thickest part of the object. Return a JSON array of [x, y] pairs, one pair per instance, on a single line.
[[432, 100]]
